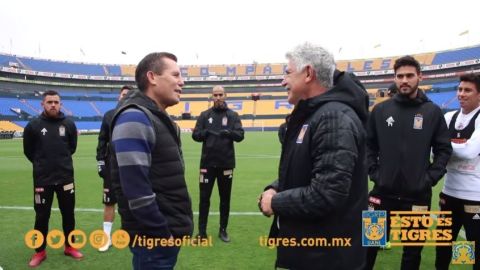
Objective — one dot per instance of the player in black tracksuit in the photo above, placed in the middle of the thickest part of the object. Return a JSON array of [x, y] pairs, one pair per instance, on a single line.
[[103, 162], [402, 132], [49, 142], [217, 128]]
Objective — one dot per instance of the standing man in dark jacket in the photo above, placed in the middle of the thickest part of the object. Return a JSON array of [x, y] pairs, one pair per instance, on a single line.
[[103, 163], [217, 127], [322, 183], [49, 142], [402, 132], [148, 172]]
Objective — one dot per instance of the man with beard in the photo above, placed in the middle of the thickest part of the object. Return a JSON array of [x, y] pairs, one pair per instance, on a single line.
[[217, 127], [402, 132], [49, 142], [322, 178], [461, 192]]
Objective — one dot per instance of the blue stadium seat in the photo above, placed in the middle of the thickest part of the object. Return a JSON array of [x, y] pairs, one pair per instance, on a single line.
[[457, 55]]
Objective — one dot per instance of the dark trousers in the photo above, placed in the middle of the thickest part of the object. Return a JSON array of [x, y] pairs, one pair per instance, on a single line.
[[224, 179], [157, 258], [412, 255], [43, 198], [459, 218]]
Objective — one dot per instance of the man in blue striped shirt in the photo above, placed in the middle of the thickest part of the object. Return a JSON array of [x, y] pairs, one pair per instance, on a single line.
[[148, 171]]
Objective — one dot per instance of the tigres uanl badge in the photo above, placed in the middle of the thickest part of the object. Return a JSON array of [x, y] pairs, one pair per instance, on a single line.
[[418, 121], [61, 131]]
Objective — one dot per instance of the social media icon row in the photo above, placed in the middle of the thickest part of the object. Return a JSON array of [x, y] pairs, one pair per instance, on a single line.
[[76, 239]]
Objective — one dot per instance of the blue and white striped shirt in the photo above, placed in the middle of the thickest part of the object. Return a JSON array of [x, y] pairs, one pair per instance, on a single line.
[[133, 138]]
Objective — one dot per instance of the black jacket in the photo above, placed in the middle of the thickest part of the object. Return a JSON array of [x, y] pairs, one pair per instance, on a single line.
[[217, 148], [166, 174], [322, 186], [104, 136], [401, 135], [49, 144]]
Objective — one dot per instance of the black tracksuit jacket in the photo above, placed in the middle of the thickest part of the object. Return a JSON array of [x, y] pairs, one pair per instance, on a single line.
[[322, 187], [402, 133], [49, 144], [217, 149], [104, 137]]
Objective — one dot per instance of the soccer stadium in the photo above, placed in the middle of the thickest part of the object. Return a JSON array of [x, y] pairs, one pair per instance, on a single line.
[[254, 91]]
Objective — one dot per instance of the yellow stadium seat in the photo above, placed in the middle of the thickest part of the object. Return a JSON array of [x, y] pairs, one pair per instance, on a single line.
[[9, 126]]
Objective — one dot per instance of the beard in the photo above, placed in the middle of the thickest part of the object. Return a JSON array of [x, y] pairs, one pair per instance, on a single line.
[[219, 104], [407, 90], [51, 113]]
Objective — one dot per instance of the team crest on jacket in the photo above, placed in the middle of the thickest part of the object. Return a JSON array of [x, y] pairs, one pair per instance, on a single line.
[[418, 121], [302, 133], [61, 130], [224, 121], [390, 121]]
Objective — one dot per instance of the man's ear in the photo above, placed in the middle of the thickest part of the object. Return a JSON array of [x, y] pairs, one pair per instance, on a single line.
[[310, 74], [151, 77]]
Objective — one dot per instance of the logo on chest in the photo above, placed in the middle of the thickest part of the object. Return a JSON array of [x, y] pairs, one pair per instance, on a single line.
[[61, 131], [390, 121], [418, 121], [301, 135]]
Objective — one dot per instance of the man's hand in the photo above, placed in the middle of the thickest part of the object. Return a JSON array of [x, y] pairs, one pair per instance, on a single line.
[[265, 202], [101, 168], [225, 132], [211, 132]]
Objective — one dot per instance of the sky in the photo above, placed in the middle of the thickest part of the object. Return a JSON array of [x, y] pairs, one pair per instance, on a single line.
[[232, 32]]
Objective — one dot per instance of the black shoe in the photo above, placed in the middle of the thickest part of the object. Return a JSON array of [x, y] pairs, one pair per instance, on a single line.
[[224, 235]]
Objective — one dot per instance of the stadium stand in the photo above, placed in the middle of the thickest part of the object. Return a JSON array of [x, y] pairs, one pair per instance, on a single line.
[[86, 98], [9, 126], [457, 55]]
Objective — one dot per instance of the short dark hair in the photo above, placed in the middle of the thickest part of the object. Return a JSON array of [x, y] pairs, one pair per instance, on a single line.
[[472, 78], [406, 60], [152, 62], [392, 89], [50, 93], [128, 87]]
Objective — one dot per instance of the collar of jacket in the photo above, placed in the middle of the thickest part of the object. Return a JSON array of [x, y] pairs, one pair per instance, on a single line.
[[346, 90], [419, 99], [139, 98]]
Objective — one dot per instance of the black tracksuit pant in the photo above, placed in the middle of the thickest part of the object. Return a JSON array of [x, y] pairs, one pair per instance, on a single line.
[[412, 255], [43, 198], [224, 177], [460, 217]]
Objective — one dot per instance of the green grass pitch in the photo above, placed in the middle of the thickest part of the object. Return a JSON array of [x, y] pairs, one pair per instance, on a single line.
[[257, 161]]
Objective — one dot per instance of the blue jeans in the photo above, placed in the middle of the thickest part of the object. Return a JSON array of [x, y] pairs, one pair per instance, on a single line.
[[161, 258]]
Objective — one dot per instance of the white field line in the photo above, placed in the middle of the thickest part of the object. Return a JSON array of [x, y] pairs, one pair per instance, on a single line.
[[99, 210]]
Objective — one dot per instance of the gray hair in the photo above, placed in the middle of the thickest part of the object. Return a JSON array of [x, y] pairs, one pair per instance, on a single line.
[[319, 58]]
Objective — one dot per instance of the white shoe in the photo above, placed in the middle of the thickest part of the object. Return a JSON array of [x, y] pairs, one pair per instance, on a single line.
[[106, 246]]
